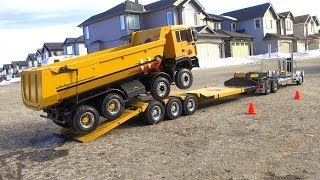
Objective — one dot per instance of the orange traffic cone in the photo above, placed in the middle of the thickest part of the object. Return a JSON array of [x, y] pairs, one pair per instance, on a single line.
[[251, 109], [297, 95]]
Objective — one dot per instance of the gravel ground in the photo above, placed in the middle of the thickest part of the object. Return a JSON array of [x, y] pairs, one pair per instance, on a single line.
[[220, 141]]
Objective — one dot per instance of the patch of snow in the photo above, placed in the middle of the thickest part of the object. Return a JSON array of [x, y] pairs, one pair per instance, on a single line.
[[13, 80], [251, 59], [230, 18], [50, 60]]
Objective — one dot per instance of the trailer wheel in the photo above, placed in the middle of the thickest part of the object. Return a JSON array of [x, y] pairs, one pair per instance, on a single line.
[[85, 119], [173, 108], [267, 87], [190, 105], [184, 79], [300, 80], [112, 106], [160, 88], [274, 86], [154, 113]]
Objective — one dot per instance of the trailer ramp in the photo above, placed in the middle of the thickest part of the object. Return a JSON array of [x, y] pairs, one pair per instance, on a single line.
[[103, 128]]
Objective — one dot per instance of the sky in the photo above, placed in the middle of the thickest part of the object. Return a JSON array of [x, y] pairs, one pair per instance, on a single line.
[[26, 25]]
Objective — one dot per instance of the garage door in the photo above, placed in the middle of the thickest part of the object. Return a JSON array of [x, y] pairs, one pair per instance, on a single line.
[[240, 49], [284, 47], [207, 53], [301, 47]]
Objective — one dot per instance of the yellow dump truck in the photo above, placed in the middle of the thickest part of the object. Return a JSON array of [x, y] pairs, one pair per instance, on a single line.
[[74, 93]]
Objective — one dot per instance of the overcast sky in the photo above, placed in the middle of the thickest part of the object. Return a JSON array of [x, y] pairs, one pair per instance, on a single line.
[[26, 25]]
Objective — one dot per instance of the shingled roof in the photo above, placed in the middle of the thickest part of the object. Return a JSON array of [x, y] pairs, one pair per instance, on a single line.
[[251, 12], [6, 66], [316, 20], [127, 6], [234, 34], [286, 14], [54, 46], [270, 36], [162, 4], [31, 57], [214, 17], [301, 19]]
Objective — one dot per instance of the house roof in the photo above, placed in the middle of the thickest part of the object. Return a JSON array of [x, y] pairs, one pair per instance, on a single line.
[[39, 51], [316, 20], [80, 39], [301, 19], [286, 14], [251, 12], [1, 69], [271, 36], [6, 66], [206, 31], [22, 63], [235, 34], [69, 40], [126, 6], [54, 46], [163, 4], [32, 56], [215, 17]]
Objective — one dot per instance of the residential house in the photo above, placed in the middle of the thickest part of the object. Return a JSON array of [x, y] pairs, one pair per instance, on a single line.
[[32, 60], [74, 46], [114, 26], [306, 26], [52, 49], [17, 67], [6, 69], [237, 44], [260, 22], [39, 56]]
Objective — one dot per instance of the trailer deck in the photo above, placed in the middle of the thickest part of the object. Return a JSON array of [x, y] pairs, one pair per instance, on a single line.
[[140, 106]]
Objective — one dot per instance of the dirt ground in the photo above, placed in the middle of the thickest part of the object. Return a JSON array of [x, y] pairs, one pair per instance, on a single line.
[[220, 141]]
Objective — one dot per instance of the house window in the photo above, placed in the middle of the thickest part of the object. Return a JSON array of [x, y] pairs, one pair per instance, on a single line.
[[86, 32], [257, 23], [289, 24], [169, 18], [217, 25], [133, 22], [233, 26], [312, 27], [271, 23], [122, 23]]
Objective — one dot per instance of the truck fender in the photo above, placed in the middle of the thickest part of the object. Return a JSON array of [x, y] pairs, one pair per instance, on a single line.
[[154, 75]]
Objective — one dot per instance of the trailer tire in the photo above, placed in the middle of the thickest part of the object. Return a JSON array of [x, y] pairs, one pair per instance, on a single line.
[[160, 88], [184, 78], [173, 108], [190, 105], [112, 106], [85, 119], [274, 86], [267, 87], [154, 113], [300, 80]]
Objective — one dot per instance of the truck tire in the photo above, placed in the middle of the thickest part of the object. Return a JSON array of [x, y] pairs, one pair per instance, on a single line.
[[85, 119], [112, 106], [173, 108], [267, 85], [184, 78], [190, 105], [274, 86], [160, 88], [300, 81], [154, 113]]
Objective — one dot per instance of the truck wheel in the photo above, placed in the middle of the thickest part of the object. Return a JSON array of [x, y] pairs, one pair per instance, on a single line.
[[184, 79], [173, 108], [160, 88], [300, 81], [190, 105], [112, 106], [85, 119], [154, 113], [267, 85], [274, 86]]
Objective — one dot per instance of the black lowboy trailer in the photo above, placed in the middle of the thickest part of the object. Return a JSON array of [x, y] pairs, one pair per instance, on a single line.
[[267, 81]]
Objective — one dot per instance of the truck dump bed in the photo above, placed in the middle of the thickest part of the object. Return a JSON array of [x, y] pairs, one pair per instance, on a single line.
[[45, 86]]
